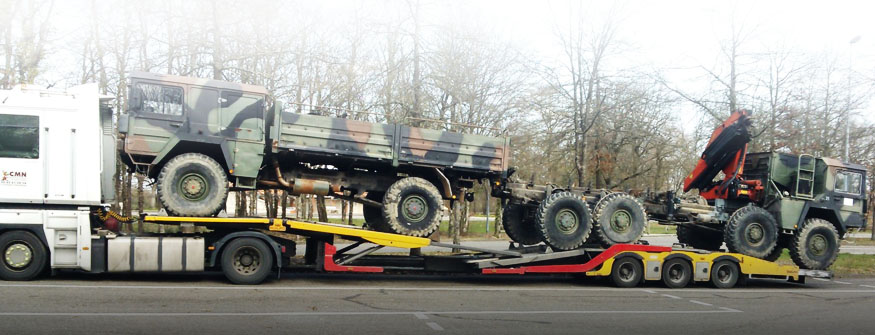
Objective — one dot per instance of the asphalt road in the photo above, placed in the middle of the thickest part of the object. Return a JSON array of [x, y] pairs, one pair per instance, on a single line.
[[420, 304]]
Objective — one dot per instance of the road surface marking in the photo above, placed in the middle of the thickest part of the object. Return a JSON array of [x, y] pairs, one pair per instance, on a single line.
[[435, 326], [820, 279], [869, 286], [701, 303], [671, 296], [184, 314], [841, 282], [421, 316], [730, 309], [650, 291]]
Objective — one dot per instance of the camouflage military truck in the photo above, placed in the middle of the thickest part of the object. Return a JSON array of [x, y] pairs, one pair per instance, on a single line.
[[199, 138]]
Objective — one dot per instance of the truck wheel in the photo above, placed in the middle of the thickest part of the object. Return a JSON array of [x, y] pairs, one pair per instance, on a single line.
[[677, 273], [192, 185], [520, 230], [752, 231], [24, 256], [699, 238], [725, 274], [618, 218], [627, 272], [816, 245], [412, 206], [374, 215], [783, 243], [246, 260], [564, 221]]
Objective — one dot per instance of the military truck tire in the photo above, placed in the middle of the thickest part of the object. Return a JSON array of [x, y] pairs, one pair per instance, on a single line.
[[752, 231], [520, 230], [412, 206], [24, 256], [618, 218], [699, 238], [816, 245], [192, 184], [374, 215], [564, 221]]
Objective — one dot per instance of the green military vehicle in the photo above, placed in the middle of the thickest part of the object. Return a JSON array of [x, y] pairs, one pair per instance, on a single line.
[[766, 202], [198, 138]]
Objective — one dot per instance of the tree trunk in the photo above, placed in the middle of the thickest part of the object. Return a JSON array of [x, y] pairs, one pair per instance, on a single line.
[[498, 217], [285, 202], [320, 206], [140, 178]]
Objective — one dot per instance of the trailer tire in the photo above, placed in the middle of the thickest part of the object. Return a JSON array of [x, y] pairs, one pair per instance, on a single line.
[[412, 206], [564, 221], [677, 273], [816, 245], [618, 218], [627, 272], [752, 231], [24, 256], [725, 274], [192, 184], [374, 215], [699, 238], [247, 261], [520, 230]]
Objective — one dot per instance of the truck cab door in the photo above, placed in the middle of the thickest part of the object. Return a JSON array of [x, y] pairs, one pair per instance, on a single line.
[[22, 158], [242, 126], [849, 196]]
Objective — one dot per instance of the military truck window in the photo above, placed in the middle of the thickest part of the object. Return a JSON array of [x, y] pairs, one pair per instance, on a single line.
[[19, 136], [848, 182], [159, 99]]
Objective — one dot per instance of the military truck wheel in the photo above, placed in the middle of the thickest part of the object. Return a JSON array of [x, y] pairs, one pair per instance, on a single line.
[[699, 238], [192, 185], [374, 215], [618, 218], [816, 245], [412, 206], [517, 227], [24, 256], [752, 231], [564, 221]]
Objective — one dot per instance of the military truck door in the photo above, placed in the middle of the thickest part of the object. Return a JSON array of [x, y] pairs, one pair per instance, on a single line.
[[156, 115], [849, 194], [242, 125]]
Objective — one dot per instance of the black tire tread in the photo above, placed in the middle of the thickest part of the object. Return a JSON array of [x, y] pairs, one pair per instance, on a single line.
[[202, 208], [797, 246], [393, 197], [517, 228], [598, 234], [733, 225], [545, 206]]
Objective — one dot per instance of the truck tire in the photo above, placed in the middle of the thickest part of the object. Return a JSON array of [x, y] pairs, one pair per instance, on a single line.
[[699, 238], [520, 230], [24, 256], [192, 184], [564, 221], [752, 231], [776, 253], [412, 206], [677, 273], [246, 261], [627, 272], [618, 218], [374, 215], [816, 245], [725, 274]]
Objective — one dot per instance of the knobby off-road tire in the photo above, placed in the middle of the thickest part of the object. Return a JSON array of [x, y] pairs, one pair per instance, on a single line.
[[192, 185], [412, 206], [699, 238], [518, 227], [247, 261], [783, 243], [24, 256], [816, 245], [618, 218], [752, 231], [374, 215], [564, 221]]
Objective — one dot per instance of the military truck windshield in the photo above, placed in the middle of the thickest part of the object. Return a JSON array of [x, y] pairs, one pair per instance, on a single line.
[[848, 182], [19, 136], [161, 99]]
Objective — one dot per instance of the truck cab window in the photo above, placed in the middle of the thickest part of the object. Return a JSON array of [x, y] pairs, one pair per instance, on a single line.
[[848, 182], [19, 136], [159, 99]]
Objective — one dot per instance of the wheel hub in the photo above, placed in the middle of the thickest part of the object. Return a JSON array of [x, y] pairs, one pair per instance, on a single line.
[[818, 245], [675, 274], [567, 221], [18, 255], [755, 233], [723, 274], [414, 208], [621, 220], [246, 260], [626, 272], [193, 186]]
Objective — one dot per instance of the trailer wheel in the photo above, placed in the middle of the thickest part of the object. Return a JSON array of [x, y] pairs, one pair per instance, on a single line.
[[677, 273], [412, 206], [192, 185], [699, 238], [564, 221], [374, 215], [520, 230], [725, 274], [247, 261], [618, 218], [627, 272], [752, 231], [24, 256], [816, 245]]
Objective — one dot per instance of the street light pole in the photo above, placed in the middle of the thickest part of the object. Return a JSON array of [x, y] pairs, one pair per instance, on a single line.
[[848, 108]]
